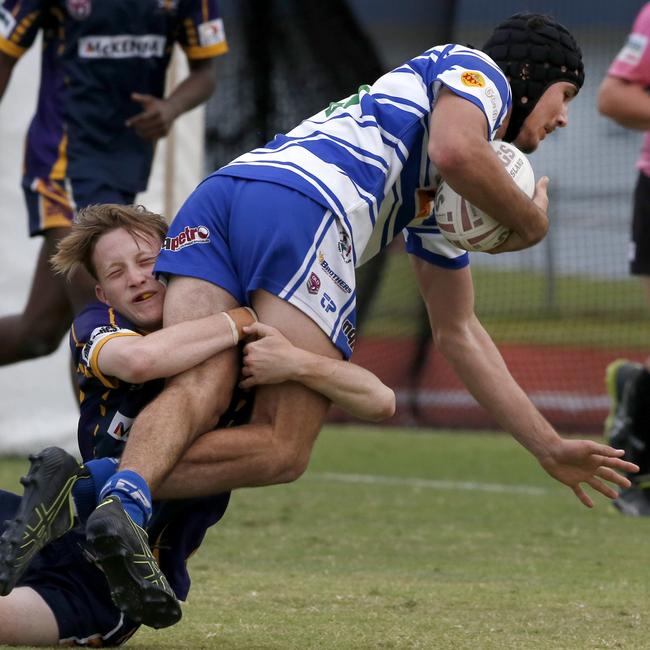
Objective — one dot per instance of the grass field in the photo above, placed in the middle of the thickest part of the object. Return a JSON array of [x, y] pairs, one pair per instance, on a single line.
[[402, 539]]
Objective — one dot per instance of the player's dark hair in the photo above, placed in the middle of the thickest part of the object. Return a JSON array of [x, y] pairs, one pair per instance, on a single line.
[[77, 247], [534, 51]]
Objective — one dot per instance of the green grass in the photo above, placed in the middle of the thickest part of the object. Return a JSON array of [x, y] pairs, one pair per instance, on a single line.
[[520, 307], [331, 562]]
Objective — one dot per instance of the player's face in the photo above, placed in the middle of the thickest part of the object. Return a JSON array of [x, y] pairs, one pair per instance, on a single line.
[[124, 266], [550, 112]]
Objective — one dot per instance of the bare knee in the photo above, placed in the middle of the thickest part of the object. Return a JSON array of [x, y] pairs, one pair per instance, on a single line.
[[26, 619], [202, 408]]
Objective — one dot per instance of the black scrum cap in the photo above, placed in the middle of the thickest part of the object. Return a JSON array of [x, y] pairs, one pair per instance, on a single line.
[[534, 51]]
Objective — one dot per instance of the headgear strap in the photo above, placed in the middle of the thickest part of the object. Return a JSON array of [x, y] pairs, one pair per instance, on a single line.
[[534, 51]]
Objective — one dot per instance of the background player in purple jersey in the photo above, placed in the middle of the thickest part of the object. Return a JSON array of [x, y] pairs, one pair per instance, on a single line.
[[270, 232], [62, 596], [100, 111]]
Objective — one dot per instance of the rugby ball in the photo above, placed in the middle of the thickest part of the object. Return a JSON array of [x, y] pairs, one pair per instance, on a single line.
[[469, 228]]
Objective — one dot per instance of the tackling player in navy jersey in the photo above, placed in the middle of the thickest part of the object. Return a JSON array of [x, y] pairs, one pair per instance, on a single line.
[[61, 595], [100, 111], [282, 228]]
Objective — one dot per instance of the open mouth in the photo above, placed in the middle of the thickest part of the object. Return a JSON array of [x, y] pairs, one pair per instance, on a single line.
[[144, 296]]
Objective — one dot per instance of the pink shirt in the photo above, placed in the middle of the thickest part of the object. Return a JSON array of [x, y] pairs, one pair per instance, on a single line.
[[632, 63]]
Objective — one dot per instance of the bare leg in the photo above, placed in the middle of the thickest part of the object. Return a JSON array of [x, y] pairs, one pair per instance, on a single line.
[[51, 305], [26, 619], [192, 402], [276, 446]]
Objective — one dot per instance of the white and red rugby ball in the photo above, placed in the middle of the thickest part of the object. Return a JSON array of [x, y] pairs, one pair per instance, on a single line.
[[469, 228]]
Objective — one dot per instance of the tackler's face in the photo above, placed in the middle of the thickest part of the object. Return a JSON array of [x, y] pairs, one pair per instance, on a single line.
[[550, 112], [124, 264]]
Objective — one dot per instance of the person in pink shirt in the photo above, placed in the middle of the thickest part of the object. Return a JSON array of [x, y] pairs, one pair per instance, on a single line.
[[623, 97]]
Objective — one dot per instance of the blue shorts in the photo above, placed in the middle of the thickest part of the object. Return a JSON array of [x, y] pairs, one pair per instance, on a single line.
[[54, 204], [243, 235], [74, 588]]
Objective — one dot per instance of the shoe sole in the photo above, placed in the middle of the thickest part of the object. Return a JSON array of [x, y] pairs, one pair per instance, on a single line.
[[43, 466], [137, 598]]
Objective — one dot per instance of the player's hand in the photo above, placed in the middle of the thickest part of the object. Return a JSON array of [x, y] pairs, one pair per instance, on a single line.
[[156, 118], [574, 462], [270, 359], [540, 196], [514, 241]]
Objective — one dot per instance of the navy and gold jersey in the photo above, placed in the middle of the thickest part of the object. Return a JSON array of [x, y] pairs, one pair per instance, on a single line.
[[108, 408], [95, 54]]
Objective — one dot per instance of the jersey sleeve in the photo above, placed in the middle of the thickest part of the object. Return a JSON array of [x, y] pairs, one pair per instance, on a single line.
[[475, 77], [201, 30], [632, 63], [20, 21], [424, 239], [91, 330]]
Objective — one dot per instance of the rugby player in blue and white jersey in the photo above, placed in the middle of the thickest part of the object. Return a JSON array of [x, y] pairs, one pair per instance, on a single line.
[[101, 108], [283, 227], [121, 355]]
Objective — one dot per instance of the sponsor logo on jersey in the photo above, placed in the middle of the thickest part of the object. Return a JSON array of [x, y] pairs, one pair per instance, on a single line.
[[313, 284], [336, 278], [124, 46], [211, 33], [120, 426], [97, 334], [345, 246], [188, 237], [7, 22], [350, 333], [327, 303], [492, 97], [79, 9], [633, 49], [473, 79], [167, 5]]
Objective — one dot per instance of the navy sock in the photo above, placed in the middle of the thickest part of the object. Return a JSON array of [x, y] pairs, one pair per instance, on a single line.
[[86, 490], [132, 490]]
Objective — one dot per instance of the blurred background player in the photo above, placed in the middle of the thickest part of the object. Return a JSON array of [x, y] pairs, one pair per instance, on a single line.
[[623, 97], [100, 110], [62, 595]]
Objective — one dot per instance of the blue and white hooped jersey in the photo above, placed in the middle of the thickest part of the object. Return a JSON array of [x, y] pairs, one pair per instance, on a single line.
[[365, 157]]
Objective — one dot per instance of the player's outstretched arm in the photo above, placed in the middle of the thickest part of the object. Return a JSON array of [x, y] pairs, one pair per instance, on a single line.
[[171, 350], [625, 102], [459, 149], [449, 296], [272, 359]]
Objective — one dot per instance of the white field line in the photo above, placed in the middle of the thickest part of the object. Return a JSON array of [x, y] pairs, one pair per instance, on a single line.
[[428, 484]]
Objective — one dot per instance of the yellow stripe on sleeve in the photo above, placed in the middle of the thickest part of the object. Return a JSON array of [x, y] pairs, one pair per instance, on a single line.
[[94, 359], [196, 52]]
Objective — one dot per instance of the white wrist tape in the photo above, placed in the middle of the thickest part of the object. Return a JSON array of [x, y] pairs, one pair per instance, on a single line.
[[233, 328]]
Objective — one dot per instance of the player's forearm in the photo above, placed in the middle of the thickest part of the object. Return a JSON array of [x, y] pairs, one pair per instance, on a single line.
[[473, 170], [478, 363], [626, 103], [195, 89], [169, 351], [349, 386]]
